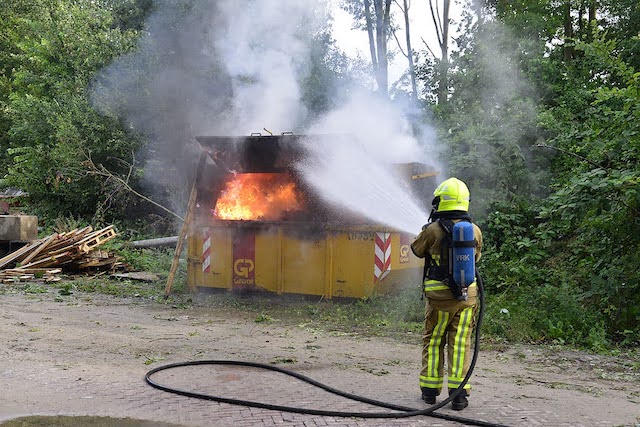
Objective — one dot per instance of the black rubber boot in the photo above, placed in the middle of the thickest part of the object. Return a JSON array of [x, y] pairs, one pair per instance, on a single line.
[[429, 395], [460, 401]]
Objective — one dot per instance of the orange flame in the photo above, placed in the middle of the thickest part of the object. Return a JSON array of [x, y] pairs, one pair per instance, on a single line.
[[263, 196]]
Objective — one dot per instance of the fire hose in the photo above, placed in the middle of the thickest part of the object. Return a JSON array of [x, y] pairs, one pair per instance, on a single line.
[[404, 411]]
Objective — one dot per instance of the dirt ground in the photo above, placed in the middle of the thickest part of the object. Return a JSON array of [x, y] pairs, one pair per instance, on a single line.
[[87, 354]]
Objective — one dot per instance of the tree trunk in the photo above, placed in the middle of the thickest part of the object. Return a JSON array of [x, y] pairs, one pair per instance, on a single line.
[[593, 7], [443, 87], [478, 9], [378, 40], [372, 44], [155, 243], [592, 22], [568, 31], [441, 24], [382, 12], [412, 68]]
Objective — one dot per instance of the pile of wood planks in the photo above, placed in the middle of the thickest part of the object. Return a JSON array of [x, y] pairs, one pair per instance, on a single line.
[[73, 251]]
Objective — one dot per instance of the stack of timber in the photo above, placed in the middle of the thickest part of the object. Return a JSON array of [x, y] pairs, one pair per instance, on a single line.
[[73, 251]]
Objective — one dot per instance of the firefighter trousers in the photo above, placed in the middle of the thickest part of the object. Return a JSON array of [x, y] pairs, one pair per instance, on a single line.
[[448, 324]]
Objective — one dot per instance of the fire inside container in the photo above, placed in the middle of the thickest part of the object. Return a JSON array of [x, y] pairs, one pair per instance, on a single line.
[[259, 227]]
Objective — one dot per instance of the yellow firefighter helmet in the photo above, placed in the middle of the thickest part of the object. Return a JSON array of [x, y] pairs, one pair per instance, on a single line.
[[451, 195]]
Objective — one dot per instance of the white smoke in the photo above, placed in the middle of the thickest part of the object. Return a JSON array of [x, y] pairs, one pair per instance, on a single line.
[[355, 179], [234, 67], [265, 52], [359, 169]]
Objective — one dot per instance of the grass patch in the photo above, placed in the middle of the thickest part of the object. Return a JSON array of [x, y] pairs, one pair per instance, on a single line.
[[504, 322], [156, 260], [399, 316], [116, 288]]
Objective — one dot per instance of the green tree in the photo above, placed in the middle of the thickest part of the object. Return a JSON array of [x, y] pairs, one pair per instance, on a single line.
[[585, 231], [55, 49], [542, 122], [331, 75], [621, 18], [489, 122], [594, 214]]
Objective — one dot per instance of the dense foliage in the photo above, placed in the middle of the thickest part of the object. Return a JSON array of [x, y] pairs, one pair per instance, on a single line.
[[542, 120], [545, 128], [50, 52]]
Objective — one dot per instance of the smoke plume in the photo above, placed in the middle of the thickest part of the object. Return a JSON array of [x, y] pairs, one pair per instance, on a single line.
[[359, 171], [234, 67]]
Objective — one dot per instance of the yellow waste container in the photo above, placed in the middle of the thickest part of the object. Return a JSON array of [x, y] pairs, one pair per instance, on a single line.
[[350, 262], [257, 227]]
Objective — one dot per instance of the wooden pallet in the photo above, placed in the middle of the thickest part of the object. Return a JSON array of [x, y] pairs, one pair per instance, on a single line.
[[75, 250], [96, 239]]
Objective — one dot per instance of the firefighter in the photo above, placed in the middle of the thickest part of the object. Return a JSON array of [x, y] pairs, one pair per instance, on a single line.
[[449, 313]]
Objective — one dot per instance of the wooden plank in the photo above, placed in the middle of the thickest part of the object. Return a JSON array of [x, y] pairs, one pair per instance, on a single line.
[[65, 234], [19, 271], [66, 248], [84, 231], [76, 232], [64, 241], [13, 273], [48, 261], [56, 244], [81, 248], [69, 258], [97, 262], [17, 279], [73, 243], [87, 264], [185, 225], [99, 254], [91, 236], [15, 255], [39, 249], [44, 257]]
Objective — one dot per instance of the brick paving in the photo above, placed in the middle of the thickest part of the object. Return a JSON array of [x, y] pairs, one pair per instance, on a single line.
[[90, 359]]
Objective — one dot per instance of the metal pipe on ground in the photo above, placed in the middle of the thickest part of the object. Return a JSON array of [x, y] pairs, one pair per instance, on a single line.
[[155, 243]]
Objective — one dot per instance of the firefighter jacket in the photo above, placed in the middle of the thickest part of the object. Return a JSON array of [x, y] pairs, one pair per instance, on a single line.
[[427, 245]]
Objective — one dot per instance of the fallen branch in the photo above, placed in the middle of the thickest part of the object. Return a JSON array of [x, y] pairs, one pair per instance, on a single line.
[[577, 156], [100, 170]]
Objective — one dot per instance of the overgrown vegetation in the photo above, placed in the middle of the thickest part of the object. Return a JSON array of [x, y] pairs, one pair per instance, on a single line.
[[49, 52], [541, 118], [550, 147]]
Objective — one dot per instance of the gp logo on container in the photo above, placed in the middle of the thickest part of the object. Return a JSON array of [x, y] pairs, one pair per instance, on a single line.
[[405, 248], [244, 255], [242, 267], [404, 253]]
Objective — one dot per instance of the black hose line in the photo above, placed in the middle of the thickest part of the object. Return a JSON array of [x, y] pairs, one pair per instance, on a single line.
[[404, 411]]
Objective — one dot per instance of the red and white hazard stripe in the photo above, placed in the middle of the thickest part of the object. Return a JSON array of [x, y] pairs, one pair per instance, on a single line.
[[382, 262], [206, 251]]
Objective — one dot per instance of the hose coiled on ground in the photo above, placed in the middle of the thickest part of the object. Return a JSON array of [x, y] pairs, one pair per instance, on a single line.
[[403, 411]]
